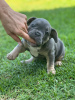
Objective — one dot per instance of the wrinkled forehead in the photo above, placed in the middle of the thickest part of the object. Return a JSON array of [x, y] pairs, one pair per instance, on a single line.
[[40, 22]]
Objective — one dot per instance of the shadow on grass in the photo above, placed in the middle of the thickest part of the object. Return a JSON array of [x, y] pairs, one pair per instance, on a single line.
[[62, 20], [57, 17]]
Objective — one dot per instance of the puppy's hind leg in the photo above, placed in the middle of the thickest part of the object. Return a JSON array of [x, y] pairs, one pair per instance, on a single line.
[[59, 61], [60, 57], [29, 60]]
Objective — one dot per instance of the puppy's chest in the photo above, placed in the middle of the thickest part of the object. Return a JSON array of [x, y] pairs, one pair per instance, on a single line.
[[34, 50]]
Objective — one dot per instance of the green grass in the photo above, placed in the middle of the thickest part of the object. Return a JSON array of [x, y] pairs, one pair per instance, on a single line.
[[30, 81]]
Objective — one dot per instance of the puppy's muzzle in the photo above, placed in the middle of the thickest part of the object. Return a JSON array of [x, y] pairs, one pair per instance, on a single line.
[[36, 35]]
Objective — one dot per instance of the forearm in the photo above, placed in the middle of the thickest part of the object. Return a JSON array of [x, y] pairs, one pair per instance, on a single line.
[[3, 7]]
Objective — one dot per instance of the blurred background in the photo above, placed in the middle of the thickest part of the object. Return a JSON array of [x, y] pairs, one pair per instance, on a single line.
[[33, 5]]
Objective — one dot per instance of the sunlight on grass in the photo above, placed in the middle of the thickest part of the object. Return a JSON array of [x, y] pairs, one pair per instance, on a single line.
[[30, 5]]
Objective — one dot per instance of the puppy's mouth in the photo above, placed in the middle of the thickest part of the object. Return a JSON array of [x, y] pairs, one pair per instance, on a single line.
[[33, 44]]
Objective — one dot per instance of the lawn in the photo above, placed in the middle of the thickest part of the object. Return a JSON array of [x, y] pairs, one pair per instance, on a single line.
[[31, 81]]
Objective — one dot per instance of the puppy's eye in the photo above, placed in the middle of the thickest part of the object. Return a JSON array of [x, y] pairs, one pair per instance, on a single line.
[[46, 32]]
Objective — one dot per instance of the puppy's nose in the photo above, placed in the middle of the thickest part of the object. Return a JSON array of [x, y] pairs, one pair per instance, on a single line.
[[37, 34]]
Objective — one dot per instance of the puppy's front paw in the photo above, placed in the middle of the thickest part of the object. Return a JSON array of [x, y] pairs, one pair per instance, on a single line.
[[58, 63], [10, 56], [51, 71]]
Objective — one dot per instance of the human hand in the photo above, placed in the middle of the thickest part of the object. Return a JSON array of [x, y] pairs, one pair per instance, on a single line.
[[15, 24]]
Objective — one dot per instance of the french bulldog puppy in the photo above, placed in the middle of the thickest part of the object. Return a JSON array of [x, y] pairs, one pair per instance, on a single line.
[[47, 44]]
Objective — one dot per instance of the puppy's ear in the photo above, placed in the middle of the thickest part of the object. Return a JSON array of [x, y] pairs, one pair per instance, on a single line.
[[54, 35], [30, 20]]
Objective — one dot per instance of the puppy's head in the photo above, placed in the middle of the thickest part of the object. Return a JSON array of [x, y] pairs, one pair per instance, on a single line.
[[40, 30]]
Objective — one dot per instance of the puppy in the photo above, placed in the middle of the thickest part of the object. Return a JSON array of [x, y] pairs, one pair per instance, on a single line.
[[47, 45]]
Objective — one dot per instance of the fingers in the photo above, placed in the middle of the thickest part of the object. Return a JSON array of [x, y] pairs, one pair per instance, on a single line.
[[21, 15], [23, 21], [19, 28], [15, 37], [26, 26], [24, 29], [26, 36], [23, 35]]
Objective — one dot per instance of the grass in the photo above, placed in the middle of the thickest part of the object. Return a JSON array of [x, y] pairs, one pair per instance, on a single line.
[[30, 81]]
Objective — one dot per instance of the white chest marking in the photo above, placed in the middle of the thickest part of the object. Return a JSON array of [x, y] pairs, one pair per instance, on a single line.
[[34, 50]]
